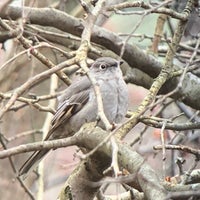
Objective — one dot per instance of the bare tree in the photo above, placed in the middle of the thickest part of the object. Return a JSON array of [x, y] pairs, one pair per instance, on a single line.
[[154, 153]]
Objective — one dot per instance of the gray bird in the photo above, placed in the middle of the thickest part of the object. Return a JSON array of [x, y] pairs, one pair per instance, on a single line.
[[78, 104]]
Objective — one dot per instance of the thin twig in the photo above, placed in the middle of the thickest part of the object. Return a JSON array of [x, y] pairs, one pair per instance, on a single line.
[[148, 8], [31, 82], [45, 129], [36, 146], [162, 136], [34, 52], [183, 148]]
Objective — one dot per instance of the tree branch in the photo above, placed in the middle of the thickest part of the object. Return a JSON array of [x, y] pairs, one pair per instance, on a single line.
[[145, 180], [134, 56], [169, 125]]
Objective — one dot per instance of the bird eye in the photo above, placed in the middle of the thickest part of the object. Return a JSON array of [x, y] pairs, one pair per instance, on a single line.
[[102, 66]]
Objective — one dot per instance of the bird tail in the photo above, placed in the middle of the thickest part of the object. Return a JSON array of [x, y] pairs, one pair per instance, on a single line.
[[32, 162]]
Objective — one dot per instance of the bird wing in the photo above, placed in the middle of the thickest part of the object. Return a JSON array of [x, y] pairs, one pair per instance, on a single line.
[[73, 100]]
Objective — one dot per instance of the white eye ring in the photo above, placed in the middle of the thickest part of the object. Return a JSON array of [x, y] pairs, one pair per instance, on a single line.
[[102, 66]]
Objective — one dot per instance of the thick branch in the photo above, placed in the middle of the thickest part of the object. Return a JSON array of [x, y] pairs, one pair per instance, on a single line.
[[145, 179], [134, 56]]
